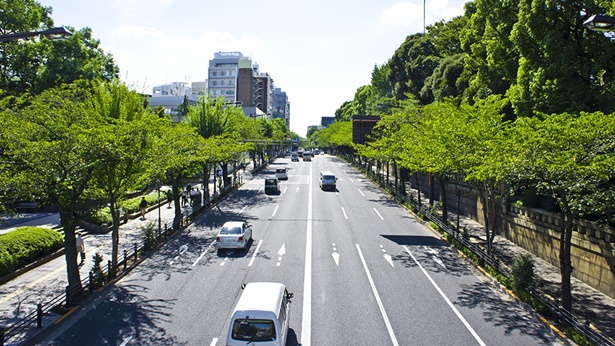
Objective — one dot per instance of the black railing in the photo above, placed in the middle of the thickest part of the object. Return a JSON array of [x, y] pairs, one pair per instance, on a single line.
[[560, 315]]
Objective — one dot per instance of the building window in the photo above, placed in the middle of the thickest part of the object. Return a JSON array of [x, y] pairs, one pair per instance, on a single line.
[[223, 73], [214, 73]]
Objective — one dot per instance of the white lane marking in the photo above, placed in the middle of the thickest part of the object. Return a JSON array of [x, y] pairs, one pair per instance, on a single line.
[[275, 210], [213, 341], [382, 311], [344, 211], [361, 193], [352, 181], [285, 188], [261, 189], [255, 252], [381, 218], [450, 304], [203, 254], [242, 209], [125, 342], [297, 189], [306, 321], [173, 260], [439, 261], [223, 261]]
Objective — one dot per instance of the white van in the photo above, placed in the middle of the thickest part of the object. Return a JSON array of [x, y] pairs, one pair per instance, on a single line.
[[327, 181], [261, 316]]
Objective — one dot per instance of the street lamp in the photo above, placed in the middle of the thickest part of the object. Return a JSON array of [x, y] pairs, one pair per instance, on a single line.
[[54, 34], [600, 22]]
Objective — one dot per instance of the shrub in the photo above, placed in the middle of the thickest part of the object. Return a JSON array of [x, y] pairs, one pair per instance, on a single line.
[[25, 244], [523, 272], [148, 232], [97, 275]]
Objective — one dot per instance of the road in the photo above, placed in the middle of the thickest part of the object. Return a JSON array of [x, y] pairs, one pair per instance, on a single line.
[[362, 269]]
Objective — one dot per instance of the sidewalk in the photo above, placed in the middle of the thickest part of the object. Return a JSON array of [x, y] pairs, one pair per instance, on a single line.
[[19, 297]]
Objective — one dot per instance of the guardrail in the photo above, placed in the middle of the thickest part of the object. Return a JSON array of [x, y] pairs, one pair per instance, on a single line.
[[73, 295], [560, 314]]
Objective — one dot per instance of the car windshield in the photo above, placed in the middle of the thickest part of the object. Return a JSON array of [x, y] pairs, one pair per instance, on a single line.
[[254, 330], [280, 170], [270, 182], [328, 177], [230, 230]]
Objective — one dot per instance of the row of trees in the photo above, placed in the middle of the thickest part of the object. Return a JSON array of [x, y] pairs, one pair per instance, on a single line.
[[509, 97], [90, 143]]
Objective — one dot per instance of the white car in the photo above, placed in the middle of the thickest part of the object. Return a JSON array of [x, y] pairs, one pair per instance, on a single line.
[[234, 235], [281, 173]]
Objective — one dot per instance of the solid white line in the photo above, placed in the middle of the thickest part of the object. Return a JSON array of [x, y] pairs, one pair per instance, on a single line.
[[214, 341], [344, 211], [450, 304], [382, 311], [306, 323], [255, 252], [275, 210], [361, 193], [381, 218]]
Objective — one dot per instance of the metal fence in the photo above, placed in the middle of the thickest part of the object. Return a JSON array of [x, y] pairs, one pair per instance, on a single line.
[[559, 314], [73, 295]]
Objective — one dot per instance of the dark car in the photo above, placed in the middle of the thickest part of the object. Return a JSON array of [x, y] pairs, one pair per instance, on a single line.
[[272, 185]]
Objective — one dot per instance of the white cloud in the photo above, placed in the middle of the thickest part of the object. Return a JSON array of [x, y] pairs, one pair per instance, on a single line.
[[403, 13]]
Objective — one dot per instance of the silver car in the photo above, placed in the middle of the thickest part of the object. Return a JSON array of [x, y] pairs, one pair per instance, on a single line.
[[234, 235]]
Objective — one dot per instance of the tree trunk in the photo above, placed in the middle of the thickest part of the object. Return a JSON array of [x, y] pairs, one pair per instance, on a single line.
[[443, 199], [564, 253], [67, 221], [115, 234], [484, 200]]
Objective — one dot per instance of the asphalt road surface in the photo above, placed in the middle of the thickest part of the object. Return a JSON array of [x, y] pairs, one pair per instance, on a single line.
[[362, 269]]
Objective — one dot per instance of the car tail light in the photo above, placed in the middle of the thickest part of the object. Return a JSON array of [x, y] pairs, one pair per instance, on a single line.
[[218, 239], [240, 239]]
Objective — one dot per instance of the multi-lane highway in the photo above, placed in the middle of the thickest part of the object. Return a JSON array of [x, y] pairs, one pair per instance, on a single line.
[[362, 269]]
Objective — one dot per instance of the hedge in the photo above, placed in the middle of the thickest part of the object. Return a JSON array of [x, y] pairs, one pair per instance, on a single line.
[[26, 244]]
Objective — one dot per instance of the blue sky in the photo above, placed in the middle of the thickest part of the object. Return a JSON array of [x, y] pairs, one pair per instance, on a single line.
[[318, 51]]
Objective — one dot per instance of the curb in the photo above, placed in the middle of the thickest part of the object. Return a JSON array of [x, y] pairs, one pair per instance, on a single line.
[[32, 265]]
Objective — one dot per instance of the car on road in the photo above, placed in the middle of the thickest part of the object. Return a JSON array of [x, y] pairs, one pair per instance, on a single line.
[[294, 157], [307, 156], [272, 185], [281, 173], [234, 235], [327, 181]]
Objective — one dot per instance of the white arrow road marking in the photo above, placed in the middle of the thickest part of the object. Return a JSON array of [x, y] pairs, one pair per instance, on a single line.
[[450, 304], [281, 253], [183, 248], [439, 261], [336, 256], [297, 190], [344, 211], [380, 305], [381, 218], [361, 193], [275, 210], [386, 256]]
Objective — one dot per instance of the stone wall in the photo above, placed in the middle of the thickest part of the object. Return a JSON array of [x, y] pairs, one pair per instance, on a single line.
[[593, 245], [538, 231]]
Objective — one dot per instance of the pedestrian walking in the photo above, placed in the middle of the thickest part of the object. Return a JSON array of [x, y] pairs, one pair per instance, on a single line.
[[143, 206], [80, 247], [169, 198]]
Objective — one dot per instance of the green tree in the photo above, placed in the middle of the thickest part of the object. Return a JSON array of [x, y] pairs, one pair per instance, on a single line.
[[570, 157], [54, 146], [127, 146], [36, 64]]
